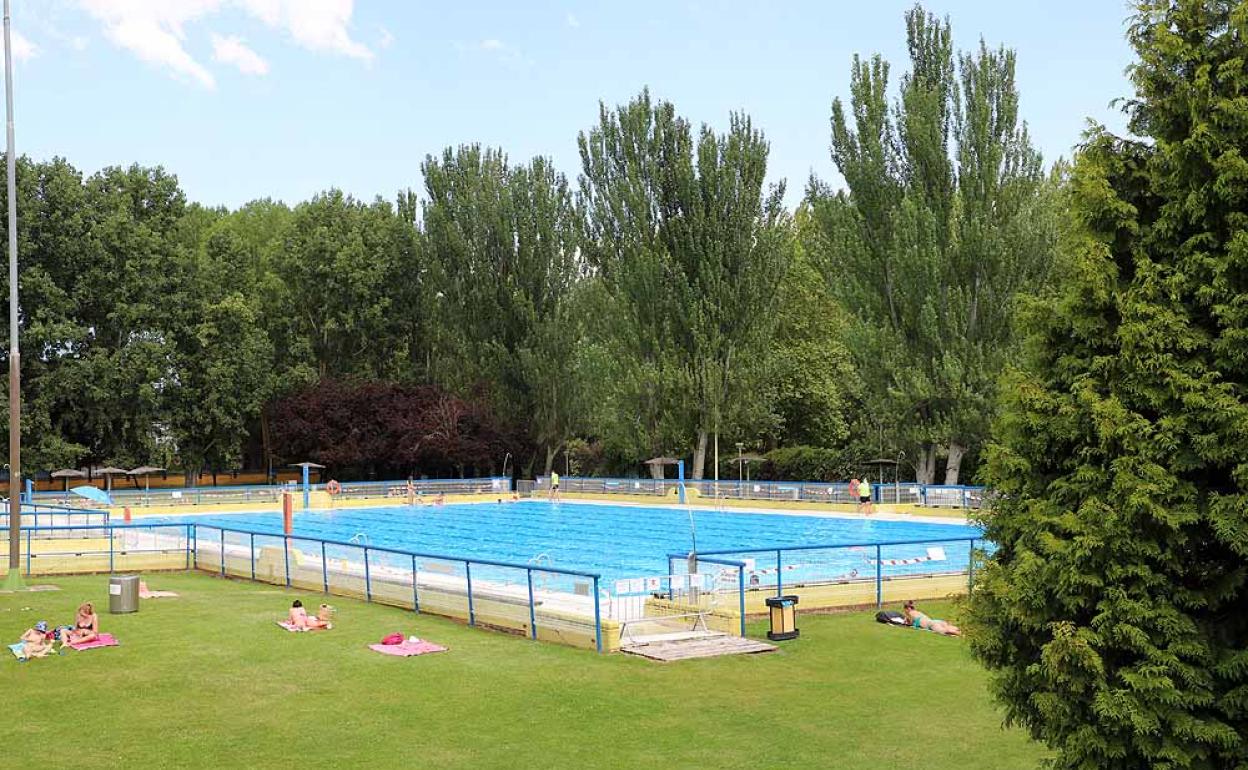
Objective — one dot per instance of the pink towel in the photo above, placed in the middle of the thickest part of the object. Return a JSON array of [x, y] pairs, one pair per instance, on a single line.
[[407, 648], [293, 627], [103, 640]]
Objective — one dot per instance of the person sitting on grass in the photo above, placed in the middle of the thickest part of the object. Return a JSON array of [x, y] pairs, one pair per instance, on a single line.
[[920, 620], [86, 626], [299, 618], [35, 642]]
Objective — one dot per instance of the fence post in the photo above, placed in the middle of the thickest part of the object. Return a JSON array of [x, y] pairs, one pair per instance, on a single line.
[[223, 553], [970, 568], [286, 558], [879, 578], [324, 569], [779, 578], [597, 616], [194, 535], [741, 594], [532, 613], [27, 552], [188, 546], [111, 533], [472, 618], [368, 581], [415, 596], [251, 555]]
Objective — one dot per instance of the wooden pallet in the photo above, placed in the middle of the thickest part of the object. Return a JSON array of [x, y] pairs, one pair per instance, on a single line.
[[697, 647]]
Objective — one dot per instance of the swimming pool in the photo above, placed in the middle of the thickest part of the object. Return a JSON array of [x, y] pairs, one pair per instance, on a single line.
[[625, 541]]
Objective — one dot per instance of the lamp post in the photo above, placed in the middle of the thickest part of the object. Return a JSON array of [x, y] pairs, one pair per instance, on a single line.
[[14, 578]]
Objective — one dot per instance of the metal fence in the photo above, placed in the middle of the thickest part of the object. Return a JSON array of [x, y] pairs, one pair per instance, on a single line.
[[260, 494], [854, 574], [541, 601], [39, 514], [929, 495]]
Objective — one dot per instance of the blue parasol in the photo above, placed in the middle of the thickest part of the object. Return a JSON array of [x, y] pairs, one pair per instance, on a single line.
[[93, 493]]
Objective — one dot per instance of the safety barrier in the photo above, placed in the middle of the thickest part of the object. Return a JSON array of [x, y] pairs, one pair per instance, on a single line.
[[928, 495], [855, 574], [40, 514], [542, 602], [259, 494]]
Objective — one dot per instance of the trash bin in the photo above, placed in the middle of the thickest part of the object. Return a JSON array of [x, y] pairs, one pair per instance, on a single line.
[[123, 594], [783, 617]]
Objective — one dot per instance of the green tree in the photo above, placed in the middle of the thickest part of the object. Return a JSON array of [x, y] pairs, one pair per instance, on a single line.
[[1112, 612], [945, 221], [691, 248], [502, 241]]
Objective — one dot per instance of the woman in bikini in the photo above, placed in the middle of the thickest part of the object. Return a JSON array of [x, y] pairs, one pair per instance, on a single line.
[[86, 626], [299, 618], [920, 620]]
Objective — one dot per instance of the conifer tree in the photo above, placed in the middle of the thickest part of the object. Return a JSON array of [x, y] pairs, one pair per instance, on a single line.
[[1113, 612]]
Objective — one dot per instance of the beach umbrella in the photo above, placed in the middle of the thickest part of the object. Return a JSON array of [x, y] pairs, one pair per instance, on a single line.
[[67, 474], [93, 493], [145, 471], [108, 473]]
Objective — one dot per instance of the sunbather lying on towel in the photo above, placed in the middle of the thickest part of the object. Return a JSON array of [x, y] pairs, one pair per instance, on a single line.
[[921, 620], [300, 619]]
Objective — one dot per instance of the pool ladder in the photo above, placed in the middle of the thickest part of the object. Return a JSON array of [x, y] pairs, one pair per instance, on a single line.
[[541, 560], [359, 538]]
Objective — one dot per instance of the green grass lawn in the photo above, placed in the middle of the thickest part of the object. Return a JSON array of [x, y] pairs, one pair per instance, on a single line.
[[207, 680]]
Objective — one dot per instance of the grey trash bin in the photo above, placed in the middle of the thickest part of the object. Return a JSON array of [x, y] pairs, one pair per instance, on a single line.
[[123, 594]]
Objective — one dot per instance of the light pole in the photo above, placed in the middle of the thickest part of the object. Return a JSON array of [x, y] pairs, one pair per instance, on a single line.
[[14, 578]]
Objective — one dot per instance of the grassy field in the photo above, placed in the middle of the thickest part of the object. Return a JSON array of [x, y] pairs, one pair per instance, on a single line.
[[208, 680]]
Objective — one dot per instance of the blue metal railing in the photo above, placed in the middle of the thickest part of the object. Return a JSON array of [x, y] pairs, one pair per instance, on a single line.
[[42, 514], [879, 562], [928, 495], [191, 539]]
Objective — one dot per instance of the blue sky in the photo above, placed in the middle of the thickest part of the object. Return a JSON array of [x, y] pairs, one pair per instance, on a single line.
[[283, 98]]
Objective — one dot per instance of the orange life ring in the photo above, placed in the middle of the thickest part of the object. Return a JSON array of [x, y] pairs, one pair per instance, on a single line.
[[333, 487]]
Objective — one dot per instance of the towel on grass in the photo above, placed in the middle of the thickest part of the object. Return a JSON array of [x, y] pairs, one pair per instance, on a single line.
[[16, 649], [293, 627], [103, 640], [147, 593], [419, 647]]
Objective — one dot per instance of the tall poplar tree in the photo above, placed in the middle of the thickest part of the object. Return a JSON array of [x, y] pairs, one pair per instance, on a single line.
[[945, 221], [1112, 613], [691, 246]]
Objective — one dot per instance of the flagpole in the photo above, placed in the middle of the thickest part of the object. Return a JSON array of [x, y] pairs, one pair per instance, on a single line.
[[14, 579]]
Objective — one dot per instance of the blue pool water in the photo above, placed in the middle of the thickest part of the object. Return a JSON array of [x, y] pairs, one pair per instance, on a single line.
[[625, 541]]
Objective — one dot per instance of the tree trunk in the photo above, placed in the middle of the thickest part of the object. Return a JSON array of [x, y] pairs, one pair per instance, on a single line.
[[551, 451], [954, 465], [699, 456], [926, 466]]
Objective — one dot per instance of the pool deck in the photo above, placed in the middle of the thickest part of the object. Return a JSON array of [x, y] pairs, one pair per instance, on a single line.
[[884, 512]]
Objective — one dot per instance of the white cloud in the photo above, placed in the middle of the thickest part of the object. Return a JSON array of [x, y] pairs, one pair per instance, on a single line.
[[492, 44], [318, 25], [232, 50], [78, 42], [23, 49], [386, 38], [573, 22], [153, 31]]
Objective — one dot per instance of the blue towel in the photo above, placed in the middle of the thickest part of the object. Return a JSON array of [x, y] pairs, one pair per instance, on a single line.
[[16, 649]]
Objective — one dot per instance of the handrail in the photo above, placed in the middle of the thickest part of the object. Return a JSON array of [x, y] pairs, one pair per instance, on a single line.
[[751, 549], [396, 551]]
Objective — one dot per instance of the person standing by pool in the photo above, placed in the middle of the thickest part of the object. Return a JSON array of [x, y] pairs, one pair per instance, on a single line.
[[554, 485], [864, 496]]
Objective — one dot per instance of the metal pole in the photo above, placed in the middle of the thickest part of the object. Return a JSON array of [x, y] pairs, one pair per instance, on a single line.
[[368, 582], [779, 579], [532, 612], [251, 554], [415, 595], [14, 579], [472, 617], [741, 594], [970, 568], [324, 569], [597, 616], [879, 579]]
